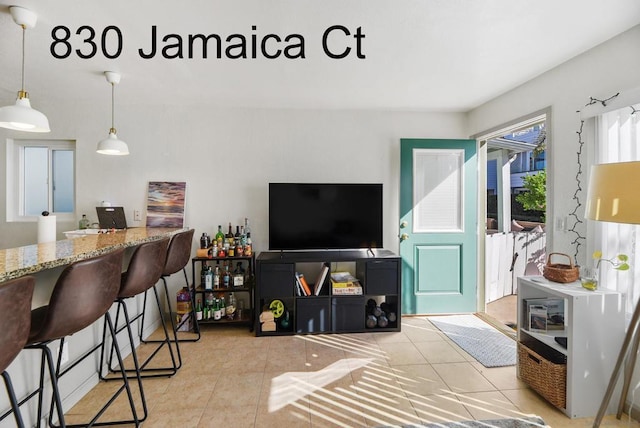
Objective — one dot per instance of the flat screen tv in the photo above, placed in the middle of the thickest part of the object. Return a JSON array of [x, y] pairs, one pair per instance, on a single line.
[[308, 216]]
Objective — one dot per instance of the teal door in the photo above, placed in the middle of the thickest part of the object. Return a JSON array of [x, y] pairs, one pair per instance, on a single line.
[[438, 225]]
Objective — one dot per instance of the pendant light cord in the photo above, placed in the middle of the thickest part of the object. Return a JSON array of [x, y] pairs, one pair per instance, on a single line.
[[113, 98], [24, 30]]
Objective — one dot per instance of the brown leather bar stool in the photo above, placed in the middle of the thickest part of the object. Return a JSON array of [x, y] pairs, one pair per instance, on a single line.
[[83, 294], [15, 307], [144, 271], [178, 255]]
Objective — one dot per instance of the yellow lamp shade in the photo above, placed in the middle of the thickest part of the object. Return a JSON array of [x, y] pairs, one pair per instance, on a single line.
[[613, 193]]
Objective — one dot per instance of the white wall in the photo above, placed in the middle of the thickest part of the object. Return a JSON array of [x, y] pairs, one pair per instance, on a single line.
[[227, 158], [601, 72]]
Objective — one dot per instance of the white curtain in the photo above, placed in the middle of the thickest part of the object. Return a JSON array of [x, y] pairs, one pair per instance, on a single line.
[[619, 141]]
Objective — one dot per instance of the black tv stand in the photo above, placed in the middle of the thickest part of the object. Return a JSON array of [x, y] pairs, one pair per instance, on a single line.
[[331, 310]]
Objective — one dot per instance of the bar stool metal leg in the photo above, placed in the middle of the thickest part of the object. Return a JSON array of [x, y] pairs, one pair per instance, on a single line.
[[15, 408]]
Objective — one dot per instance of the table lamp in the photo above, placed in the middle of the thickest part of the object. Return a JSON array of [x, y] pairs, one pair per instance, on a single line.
[[613, 197]]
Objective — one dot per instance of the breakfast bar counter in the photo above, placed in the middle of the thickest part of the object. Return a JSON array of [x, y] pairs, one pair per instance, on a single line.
[[30, 259]]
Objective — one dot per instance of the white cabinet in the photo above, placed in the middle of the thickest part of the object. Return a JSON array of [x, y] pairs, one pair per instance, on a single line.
[[594, 327]]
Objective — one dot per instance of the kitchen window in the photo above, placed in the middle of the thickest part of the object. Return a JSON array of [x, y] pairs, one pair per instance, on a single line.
[[40, 177]]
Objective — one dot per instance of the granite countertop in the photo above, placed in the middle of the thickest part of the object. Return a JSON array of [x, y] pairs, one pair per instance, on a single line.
[[16, 262]]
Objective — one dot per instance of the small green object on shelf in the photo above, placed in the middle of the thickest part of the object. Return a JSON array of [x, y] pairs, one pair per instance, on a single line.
[[277, 308]]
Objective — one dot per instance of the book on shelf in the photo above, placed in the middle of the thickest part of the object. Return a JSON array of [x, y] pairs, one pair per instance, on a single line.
[[354, 290], [299, 290], [303, 282], [554, 308], [343, 279], [320, 280]]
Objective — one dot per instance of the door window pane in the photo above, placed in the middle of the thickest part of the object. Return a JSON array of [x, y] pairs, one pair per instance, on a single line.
[[437, 190]]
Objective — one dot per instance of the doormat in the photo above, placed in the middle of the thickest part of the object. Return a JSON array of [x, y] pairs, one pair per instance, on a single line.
[[480, 340], [525, 422]]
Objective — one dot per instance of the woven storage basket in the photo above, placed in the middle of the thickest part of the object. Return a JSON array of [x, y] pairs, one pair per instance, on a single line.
[[558, 272], [543, 376]]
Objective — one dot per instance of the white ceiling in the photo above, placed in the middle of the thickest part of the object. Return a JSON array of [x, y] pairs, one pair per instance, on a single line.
[[438, 55]]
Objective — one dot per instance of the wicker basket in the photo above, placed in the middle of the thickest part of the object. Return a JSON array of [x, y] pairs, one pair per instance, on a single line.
[[558, 272], [543, 376]]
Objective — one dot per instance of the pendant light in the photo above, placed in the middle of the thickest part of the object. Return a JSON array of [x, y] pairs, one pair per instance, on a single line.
[[21, 117], [112, 145]]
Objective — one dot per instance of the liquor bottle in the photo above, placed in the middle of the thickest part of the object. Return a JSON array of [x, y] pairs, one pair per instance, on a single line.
[[208, 302], [199, 311], [236, 236], [243, 236], [226, 276], [84, 222], [219, 236], [238, 275], [203, 274], [208, 279], [217, 313], [216, 277], [247, 229], [231, 307], [248, 278], [229, 235], [248, 249]]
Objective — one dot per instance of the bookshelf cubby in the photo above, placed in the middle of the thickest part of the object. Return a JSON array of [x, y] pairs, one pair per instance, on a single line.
[[377, 271]]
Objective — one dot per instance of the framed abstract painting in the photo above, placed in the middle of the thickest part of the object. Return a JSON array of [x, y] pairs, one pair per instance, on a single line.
[[165, 203]]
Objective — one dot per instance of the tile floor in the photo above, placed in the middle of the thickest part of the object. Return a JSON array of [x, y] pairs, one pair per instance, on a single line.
[[232, 379]]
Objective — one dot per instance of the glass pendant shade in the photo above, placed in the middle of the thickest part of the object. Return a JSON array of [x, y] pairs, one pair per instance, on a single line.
[[112, 145]]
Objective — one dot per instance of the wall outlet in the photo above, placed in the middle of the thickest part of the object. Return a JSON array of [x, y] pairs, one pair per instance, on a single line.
[[136, 215]]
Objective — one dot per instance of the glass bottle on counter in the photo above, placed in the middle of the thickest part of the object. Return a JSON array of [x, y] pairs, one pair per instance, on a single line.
[[84, 222]]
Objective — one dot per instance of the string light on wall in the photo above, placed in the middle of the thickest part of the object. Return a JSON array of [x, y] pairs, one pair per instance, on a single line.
[[603, 102], [576, 228], [576, 197]]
